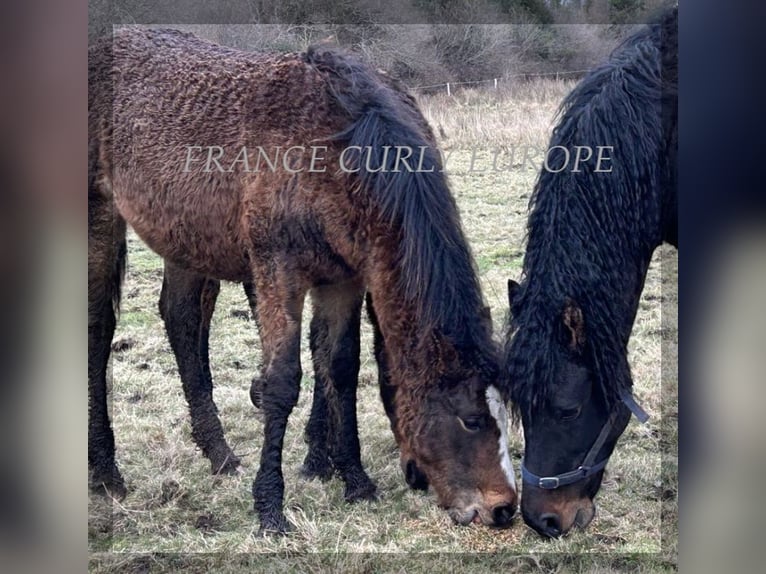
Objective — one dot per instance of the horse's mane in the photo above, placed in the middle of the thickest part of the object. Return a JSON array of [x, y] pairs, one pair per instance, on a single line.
[[591, 234], [438, 273]]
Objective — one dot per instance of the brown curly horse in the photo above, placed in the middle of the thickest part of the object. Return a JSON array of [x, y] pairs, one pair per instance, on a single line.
[[156, 99]]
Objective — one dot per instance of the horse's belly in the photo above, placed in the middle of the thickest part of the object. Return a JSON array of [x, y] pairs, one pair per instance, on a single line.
[[224, 262], [192, 232]]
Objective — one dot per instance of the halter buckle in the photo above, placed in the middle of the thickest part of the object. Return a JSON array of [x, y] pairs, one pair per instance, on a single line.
[[548, 482]]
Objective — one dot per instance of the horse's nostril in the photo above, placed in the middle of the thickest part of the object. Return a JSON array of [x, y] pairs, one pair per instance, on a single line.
[[502, 514], [551, 525]]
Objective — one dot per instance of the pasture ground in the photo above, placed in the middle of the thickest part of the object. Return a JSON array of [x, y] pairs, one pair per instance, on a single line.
[[176, 516]]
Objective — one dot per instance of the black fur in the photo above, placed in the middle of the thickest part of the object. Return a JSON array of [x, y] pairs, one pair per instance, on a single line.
[[104, 288], [187, 301], [591, 235], [438, 268], [332, 429]]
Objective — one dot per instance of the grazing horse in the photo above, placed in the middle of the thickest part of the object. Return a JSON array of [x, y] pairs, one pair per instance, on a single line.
[[320, 461], [333, 215], [320, 435], [591, 234]]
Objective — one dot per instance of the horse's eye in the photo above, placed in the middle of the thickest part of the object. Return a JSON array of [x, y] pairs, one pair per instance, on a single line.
[[570, 414], [471, 424]]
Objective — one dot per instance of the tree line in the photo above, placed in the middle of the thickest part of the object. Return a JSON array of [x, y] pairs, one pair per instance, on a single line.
[[420, 42]]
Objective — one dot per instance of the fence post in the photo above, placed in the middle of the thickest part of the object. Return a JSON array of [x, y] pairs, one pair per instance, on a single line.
[[448, 92], [495, 83]]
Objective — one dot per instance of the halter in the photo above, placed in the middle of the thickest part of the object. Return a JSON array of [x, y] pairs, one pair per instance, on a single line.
[[587, 468]]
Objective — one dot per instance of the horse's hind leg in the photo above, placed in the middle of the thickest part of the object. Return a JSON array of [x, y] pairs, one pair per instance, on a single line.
[[336, 358], [106, 264], [187, 302], [256, 386]]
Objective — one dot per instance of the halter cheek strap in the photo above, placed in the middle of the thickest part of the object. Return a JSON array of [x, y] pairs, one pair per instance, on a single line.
[[634, 407], [587, 468]]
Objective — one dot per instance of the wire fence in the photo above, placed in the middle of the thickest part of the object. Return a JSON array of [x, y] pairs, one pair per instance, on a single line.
[[495, 82]]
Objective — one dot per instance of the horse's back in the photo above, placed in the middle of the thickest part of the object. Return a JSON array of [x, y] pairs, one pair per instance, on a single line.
[[163, 103]]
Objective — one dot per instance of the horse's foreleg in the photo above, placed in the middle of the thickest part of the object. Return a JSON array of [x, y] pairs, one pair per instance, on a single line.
[[106, 262], [387, 390], [317, 462], [337, 359], [187, 302], [414, 477], [256, 385], [279, 312]]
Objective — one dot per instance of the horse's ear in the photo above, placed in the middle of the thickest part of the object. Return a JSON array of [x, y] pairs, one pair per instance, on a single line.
[[513, 287], [575, 325]]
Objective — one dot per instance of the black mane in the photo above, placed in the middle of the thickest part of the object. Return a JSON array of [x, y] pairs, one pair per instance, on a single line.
[[438, 270], [590, 236]]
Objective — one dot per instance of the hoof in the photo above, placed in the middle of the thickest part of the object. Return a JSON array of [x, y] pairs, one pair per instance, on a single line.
[[360, 492], [274, 526], [110, 485]]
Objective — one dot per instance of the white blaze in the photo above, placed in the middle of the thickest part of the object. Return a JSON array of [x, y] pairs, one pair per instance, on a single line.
[[500, 414]]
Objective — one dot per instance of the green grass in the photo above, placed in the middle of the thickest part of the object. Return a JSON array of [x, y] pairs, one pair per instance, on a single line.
[[175, 506]]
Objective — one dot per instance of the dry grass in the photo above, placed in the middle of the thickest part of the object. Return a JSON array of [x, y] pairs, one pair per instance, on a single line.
[[174, 506], [512, 115]]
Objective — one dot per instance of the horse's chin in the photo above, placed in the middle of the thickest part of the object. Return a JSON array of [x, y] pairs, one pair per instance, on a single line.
[[463, 517], [585, 516], [472, 514]]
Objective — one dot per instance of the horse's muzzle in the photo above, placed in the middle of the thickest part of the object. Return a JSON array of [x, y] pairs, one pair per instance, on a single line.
[[499, 516]]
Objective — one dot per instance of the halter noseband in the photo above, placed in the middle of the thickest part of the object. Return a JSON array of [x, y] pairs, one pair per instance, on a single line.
[[587, 468]]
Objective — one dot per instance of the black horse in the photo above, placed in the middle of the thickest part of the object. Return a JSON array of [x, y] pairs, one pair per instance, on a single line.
[[591, 235]]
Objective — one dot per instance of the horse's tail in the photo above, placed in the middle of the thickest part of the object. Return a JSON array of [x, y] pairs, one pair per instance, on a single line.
[[107, 246], [107, 253], [437, 269], [118, 273]]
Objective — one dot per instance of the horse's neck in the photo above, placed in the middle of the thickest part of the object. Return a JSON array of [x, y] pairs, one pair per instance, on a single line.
[[630, 295], [420, 330], [408, 341], [613, 293]]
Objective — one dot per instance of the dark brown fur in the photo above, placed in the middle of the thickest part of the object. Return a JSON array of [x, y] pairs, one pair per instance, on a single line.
[[152, 94]]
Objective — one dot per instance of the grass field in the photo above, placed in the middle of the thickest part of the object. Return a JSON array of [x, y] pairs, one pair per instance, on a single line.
[[174, 507]]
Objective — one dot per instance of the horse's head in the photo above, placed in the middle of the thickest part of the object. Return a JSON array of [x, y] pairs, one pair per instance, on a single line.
[[454, 438], [570, 430]]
